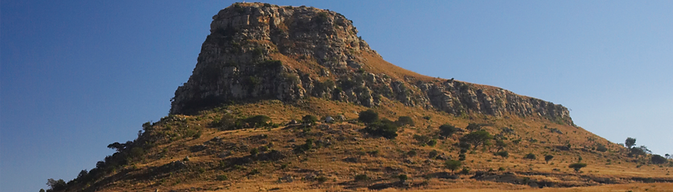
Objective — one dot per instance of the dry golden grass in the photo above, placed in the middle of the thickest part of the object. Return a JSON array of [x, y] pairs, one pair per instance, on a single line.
[[390, 160]]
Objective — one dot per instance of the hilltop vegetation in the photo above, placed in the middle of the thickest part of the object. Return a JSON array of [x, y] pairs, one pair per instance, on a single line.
[[181, 152]]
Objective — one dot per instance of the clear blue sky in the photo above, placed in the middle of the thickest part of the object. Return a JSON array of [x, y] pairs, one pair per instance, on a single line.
[[77, 76]]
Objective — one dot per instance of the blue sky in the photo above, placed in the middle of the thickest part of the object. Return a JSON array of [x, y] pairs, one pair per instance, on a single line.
[[76, 76]]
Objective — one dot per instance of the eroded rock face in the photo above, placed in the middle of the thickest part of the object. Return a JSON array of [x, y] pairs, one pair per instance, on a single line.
[[260, 51]]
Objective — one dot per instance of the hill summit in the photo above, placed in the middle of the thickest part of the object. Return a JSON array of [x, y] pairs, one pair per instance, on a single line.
[[258, 51], [291, 99]]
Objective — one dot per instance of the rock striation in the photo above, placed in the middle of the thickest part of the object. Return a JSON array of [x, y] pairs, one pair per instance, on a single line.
[[260, 51]]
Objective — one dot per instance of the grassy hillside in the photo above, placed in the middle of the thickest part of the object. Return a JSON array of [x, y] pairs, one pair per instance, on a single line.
[[203, 153]]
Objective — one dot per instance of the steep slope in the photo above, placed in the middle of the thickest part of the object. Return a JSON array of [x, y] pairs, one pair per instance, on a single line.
[[233, 125], [289, 53]]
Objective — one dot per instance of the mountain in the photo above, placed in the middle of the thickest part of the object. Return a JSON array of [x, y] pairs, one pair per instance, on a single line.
[[290, 98]]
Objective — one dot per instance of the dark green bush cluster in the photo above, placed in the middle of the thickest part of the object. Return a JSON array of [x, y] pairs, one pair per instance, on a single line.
[[361, 177], [447, 130], [375, 127], [477, 138], [530, 156], [368, 116], [385, 128], [503, 154], [601, 147], [308, 145], [405, 120], [309, 119], [658, 159], [229, 122], [452, 165], [577, 166]]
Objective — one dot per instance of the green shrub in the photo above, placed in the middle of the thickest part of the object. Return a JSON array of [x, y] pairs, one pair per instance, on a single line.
[[411, 153], [548, 158], [258, 120], [402, 177], [254, 151], [530, 156], [405, 120], [452, 165], [321, 179], [465, 171], [658, 159], [433, 154], [368, 116], [601, 147], [447, 130], [577, 166], [361, 177], [222, 177], [477, 138], [56, 185], [432, 142], [461, 157], [309, 119], [385, 129], [503, 154], [308, 145]]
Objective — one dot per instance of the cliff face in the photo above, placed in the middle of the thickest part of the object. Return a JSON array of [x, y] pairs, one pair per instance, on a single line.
[[260, 51]]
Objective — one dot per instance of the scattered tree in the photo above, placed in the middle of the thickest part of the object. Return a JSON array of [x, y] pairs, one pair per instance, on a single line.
[[309, 119], [601, 147], [503, 154], [500, 144], [368, 116], [56, 185], [639, 151], [477, 138], [657, 159], [530, 156], [577, 166], [548, 158], [630, 142], [453, 165], [385, 128], [82, 174], [404, 120], [447, 130]]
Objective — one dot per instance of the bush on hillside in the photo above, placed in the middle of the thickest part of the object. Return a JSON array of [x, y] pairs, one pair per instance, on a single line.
[[56, 185], [477, 138], [404, 120], [503, 154], [658, 159], [530, 156], [452, 165], [258, 121], [577, 166], [548, 158], [368, 116], [384, 128], [447, 130], [309, 119]]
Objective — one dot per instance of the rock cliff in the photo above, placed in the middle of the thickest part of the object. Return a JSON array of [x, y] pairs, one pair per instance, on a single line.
[[260, 51]]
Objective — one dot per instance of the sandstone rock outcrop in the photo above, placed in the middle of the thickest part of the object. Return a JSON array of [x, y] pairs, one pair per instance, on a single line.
[[260, 51]]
